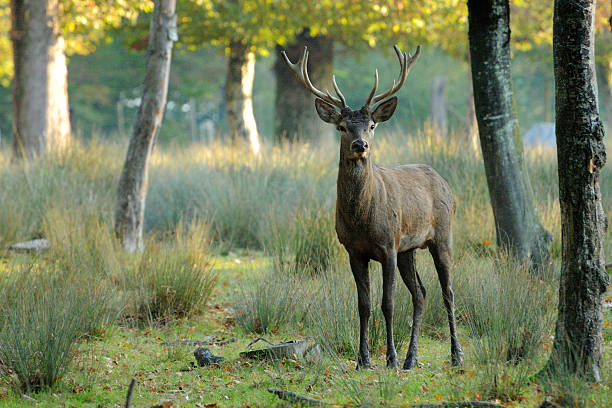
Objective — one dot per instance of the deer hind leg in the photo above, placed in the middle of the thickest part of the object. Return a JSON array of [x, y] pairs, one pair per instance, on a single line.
[[406, 263], [359, 267], [388, 272], [442, 260]]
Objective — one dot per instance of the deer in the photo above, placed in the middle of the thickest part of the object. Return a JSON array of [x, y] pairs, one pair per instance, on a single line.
[[386, 214]]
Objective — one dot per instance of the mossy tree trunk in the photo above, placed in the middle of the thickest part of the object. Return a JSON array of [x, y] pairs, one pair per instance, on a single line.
[[581, 155], [40, 86], [132, 189], [517, 226], [239, 95], [295, 114]]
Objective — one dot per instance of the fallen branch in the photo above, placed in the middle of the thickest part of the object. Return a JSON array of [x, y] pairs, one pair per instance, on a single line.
[[294, 398], [465, 404], [206, 341], [303, 400]]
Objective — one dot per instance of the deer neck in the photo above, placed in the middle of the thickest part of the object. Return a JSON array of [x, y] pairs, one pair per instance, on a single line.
[[355, 186]]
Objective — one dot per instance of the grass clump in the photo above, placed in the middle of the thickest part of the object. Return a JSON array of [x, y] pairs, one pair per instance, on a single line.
[[509, 315], [308, 245], [173, 279], [45, 314], [278, 301]]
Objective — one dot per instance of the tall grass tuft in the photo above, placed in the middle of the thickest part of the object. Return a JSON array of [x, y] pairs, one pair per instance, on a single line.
[[509, 314], [173, 278], [277, 301], [45, 312], [307, 245]]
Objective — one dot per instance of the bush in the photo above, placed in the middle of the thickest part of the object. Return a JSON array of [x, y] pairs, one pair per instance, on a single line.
[[44, 314], [173, 279]]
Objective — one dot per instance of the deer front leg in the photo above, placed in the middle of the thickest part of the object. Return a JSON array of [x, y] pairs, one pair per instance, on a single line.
[[388, 272], [359, 267]]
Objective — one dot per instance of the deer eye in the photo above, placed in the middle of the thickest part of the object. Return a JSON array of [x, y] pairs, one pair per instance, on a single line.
[[372, 127], [341, 128]]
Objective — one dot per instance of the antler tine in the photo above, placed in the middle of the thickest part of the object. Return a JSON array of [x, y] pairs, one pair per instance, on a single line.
[[337, 89], [406, 61], [301, 73], [368, 102]]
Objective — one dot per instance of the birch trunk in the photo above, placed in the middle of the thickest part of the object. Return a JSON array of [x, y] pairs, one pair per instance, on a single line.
[[517, 226], [132, 189], [40, 86], [581, 155], [295, 114], [239, 95]]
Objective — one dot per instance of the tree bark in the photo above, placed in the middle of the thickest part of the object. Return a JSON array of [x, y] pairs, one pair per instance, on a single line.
[[40, 86], [239, 95], [471, 123], [132, 189], [581, 155], [517, 226], [295, 114]]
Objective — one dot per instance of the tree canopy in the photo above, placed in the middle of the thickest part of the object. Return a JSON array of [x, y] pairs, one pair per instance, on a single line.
[[84, 24]]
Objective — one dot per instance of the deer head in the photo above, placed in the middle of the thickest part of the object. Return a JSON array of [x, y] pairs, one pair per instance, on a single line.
[[356, 127]]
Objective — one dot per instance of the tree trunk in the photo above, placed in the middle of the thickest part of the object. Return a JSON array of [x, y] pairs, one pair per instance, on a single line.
[[239, 95], [581, 155], [134, 177], [295, 114], [439, 109], [471, 124], [40, 86], [517, 226]]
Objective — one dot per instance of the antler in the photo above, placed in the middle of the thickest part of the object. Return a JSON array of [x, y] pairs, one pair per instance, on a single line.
[[301, 73], [406, 62]]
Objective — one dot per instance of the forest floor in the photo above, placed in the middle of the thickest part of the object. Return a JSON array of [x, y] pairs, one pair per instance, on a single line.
[[103, 366]]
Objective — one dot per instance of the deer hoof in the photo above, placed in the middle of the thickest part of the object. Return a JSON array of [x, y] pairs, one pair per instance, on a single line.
[[362, 363], [410, 363], [457, 359]]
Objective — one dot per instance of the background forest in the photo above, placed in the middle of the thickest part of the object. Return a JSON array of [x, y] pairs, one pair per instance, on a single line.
[[236, 245]]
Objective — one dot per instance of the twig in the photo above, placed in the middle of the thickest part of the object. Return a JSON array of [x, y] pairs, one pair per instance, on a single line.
[[128, 398], [224, 342], [260, 339]]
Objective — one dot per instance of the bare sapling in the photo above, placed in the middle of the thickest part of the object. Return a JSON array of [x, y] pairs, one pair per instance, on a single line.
[[386, 214]]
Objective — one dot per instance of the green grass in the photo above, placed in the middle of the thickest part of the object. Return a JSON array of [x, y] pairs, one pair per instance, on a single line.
[[240, 246]]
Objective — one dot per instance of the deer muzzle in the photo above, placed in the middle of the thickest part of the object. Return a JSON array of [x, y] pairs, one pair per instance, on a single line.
[[360, 146]]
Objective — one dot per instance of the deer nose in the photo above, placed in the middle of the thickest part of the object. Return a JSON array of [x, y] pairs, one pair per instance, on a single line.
[[359, 146]]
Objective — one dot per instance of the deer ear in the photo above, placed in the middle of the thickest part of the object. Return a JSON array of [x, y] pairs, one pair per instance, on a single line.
[[327, 112], [385, 110]]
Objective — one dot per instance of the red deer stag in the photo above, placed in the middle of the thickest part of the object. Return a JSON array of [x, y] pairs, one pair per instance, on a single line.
[[385, 214]]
